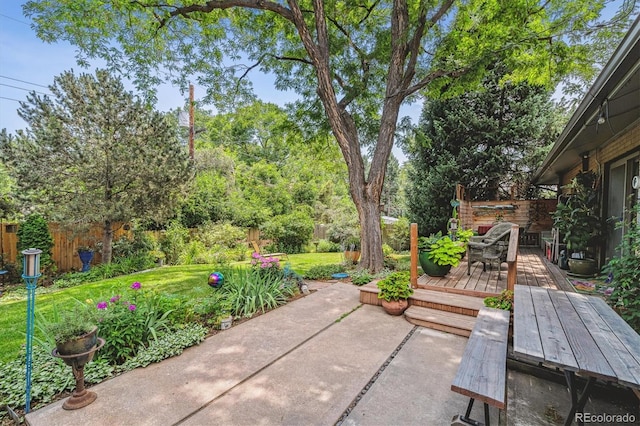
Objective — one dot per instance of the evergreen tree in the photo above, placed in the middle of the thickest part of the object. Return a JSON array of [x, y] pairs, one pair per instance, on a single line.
[[95, 153], [486, 140]]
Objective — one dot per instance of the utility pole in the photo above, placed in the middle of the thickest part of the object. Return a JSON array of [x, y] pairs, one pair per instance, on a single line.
[[191, 122]]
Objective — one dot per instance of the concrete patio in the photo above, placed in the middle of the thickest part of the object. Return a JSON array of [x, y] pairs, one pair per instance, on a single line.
[[324, 359]]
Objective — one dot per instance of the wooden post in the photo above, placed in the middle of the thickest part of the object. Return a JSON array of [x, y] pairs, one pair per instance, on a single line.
[[512, 258], [413, 238]]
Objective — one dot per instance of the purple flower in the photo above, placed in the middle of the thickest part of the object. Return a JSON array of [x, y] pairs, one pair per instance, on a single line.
[[136, 286], [102, 305], [114, 299], [132, 307], [255, 255]]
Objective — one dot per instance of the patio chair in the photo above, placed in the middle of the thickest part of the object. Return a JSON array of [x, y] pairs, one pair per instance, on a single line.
[[489, 248], [256, 249]]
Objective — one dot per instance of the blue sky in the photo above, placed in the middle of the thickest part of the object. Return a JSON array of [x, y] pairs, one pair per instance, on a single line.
[[25, 57]]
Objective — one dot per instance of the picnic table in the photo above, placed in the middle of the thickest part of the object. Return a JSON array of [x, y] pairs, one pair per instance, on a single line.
[[579, 334]]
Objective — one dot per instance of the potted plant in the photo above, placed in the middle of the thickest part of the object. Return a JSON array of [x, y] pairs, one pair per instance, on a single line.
[[352, 249], [437, 254], [76, 340], [74, 331], [578, 220], [394, 292]]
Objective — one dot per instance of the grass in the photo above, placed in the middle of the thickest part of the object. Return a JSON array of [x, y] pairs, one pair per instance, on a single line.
[[183, 280]]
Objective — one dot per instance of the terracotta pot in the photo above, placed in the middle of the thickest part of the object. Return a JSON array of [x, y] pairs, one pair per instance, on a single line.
[[353, 256], [395, 307]]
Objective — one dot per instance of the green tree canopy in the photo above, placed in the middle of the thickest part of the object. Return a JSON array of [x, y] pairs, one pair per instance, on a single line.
[[487, 140], [352, 65], [95, 153]]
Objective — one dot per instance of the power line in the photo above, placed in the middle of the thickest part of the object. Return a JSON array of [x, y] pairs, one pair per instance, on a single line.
[[13, 19], [10, 99], [23, 81], [22, 88]]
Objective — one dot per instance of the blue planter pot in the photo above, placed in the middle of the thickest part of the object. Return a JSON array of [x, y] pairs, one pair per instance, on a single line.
[[85, 257]]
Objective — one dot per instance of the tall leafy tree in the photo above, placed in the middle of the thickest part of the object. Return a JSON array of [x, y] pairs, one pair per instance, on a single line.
[[353, 65], [487, 140], [95, 153]]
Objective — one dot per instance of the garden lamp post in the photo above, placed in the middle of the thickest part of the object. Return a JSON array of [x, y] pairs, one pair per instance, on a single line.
[[30, 275]]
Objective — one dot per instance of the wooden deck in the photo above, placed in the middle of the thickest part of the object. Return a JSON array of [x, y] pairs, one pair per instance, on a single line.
[[533, 270]]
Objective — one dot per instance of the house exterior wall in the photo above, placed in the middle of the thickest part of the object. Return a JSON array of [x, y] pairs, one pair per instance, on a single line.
[[622, 146]]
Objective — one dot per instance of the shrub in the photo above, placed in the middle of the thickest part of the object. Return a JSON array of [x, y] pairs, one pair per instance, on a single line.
[[398, 234], [361, 277], [266, 266], [291, 232], [174, 241], [34, 233], [220, 234], [49, 378], [503, 301], [249, 291], [211, 308], [130, 320], [121, 266], [170, 344], [390, 263], [326, 246], [323, 272], [624, 272]]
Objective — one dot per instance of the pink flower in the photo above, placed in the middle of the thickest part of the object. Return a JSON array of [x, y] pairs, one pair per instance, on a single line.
[[136, 286], [102, 305], [255, 255], [114, 299], [132, 307]]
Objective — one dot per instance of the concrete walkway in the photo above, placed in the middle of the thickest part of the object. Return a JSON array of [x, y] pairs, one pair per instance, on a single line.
[[320, 360]]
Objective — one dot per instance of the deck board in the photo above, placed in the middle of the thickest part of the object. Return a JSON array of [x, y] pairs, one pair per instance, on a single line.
[[532, 271]]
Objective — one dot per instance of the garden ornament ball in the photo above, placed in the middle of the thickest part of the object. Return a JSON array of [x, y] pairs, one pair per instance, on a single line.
[[216, 279]]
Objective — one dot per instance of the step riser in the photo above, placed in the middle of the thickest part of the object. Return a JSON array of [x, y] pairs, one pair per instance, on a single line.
[[439, 327], [371, 298], [444, 307]]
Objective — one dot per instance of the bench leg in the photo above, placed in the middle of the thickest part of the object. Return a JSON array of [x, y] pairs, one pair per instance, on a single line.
[[457, 420], [577, 402]]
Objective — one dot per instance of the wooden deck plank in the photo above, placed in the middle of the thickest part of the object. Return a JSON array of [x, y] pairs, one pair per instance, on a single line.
[[585, 350], [554, 342], [526, 338], [617, 354]]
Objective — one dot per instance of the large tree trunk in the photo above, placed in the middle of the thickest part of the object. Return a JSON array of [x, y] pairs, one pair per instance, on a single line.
[[107, 240], [365, 191]]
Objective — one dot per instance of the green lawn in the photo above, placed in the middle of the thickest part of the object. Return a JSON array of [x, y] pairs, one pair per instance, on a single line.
[[187, 280]]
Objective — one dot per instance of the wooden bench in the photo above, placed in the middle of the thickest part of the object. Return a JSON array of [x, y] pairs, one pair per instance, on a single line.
[[482, 373]]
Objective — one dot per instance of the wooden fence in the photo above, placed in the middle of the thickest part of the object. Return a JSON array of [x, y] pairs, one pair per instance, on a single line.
[[65, 247]]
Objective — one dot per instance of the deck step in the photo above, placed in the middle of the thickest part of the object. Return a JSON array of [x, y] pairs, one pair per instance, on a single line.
[[449, 322], [449, 302]]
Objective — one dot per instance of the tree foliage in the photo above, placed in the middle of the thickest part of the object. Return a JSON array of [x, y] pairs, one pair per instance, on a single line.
[[353, 66], [95, 153], [487, 140]]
